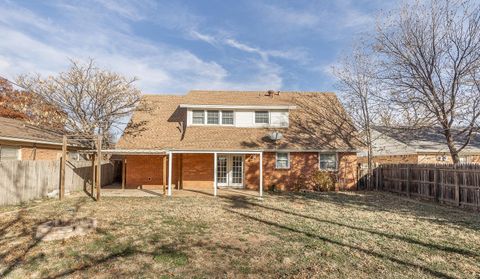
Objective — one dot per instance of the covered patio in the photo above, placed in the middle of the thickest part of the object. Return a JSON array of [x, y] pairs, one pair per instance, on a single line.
[[169, 165]]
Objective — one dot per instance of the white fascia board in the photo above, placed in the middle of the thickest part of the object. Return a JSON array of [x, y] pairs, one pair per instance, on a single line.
[[127, 151], [258, 151], [236, 106], [32, 141]]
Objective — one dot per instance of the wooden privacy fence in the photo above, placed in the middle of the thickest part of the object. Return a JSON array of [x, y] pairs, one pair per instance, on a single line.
[[21, 181], [447, 183]]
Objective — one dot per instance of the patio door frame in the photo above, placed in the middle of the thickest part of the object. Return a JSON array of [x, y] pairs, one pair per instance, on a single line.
[[229, 170]]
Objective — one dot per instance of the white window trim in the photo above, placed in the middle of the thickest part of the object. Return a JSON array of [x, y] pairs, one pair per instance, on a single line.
[[288, 161], [328, 153], [204, 117], [261, 124], [221, 118]]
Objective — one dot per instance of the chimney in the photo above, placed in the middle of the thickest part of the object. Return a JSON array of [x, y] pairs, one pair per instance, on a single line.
[[271, 93]]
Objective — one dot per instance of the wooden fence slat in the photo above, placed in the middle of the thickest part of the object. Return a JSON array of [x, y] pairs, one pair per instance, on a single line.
[[454, 184], [21, 181]]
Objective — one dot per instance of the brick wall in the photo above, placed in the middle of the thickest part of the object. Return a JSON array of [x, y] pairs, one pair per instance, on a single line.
[[391, 159], [423, 158], [347, 171], [29, 153], [196, 171], [302, 165], [144, 171]]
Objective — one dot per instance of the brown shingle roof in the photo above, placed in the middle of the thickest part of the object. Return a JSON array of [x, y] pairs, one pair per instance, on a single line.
[[318, 123], [13, 128]]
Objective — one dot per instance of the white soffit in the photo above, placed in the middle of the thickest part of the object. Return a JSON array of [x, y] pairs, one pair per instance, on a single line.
[[237, 106]]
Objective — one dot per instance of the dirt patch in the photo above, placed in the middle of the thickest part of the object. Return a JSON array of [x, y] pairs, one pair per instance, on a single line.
[[63, 229]]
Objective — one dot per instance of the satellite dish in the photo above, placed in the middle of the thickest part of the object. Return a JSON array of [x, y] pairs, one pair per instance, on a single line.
[[276, 136]]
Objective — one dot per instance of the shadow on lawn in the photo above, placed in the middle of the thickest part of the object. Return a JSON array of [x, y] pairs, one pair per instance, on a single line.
[[14, 256], [367, 230], [170, 255], [388, 202], [332, 241]]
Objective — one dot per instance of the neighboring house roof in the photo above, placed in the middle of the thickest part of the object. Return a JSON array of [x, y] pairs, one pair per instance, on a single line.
[[391, 141], [18, 130], [317, 122]]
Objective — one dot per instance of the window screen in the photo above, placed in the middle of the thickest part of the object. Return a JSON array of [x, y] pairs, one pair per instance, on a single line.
[[328, 161], [227, 117], [282, 161], [212, 117], [261, 117], [198, 117]]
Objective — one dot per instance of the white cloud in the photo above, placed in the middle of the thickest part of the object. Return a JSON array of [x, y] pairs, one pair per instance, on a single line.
[[297, 55], [108, 39], [341, 18]]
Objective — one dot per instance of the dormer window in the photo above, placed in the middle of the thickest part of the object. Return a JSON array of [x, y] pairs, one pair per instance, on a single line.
[[213, 117], [198, 117], [262, 117]]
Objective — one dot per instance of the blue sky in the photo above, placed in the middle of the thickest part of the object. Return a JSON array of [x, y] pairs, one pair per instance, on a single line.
[[175, 46]]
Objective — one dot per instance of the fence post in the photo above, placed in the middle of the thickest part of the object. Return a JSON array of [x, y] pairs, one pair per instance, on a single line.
[[62, 168], [408, 181], [457, 186]]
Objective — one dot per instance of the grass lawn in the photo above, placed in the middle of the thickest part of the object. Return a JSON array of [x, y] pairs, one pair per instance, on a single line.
[[347, 235]]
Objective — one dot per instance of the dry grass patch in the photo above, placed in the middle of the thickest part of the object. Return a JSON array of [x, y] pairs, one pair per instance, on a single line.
[[352, 235]]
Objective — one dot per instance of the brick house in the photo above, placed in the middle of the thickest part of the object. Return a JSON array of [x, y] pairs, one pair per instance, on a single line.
[[420, 146], [252, 140], [20, 140]]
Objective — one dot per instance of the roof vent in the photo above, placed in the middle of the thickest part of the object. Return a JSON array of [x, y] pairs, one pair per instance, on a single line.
[[276, 136]]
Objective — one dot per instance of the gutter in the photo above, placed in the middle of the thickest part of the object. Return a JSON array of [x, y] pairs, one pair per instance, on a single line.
[[237, 106], [32, 141]]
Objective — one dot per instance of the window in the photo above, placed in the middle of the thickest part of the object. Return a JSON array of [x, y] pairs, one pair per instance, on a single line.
[[212, 117], [227, 117], [198, 117], [9, 153], [328, 161], [261, 117], [282, 160]]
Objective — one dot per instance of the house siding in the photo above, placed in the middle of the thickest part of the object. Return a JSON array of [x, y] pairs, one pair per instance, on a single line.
[[144, 172], [30, 153], [302, 166], [423, 158], [196, 171]]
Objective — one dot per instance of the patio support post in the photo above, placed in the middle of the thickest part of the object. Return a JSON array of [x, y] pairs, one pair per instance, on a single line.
[[261, 174], [215, 158], [164, 174], [170, 157], [123, 173]]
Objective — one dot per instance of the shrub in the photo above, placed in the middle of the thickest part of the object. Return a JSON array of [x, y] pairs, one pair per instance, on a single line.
[[323, 181]]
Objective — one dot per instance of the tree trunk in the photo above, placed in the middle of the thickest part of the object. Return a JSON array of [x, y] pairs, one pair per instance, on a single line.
[[451, 147]]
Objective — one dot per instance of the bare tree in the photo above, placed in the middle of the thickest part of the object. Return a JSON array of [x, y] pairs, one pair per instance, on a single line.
[[359, 91], [27, 106], [96, 101], [430, 55]]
